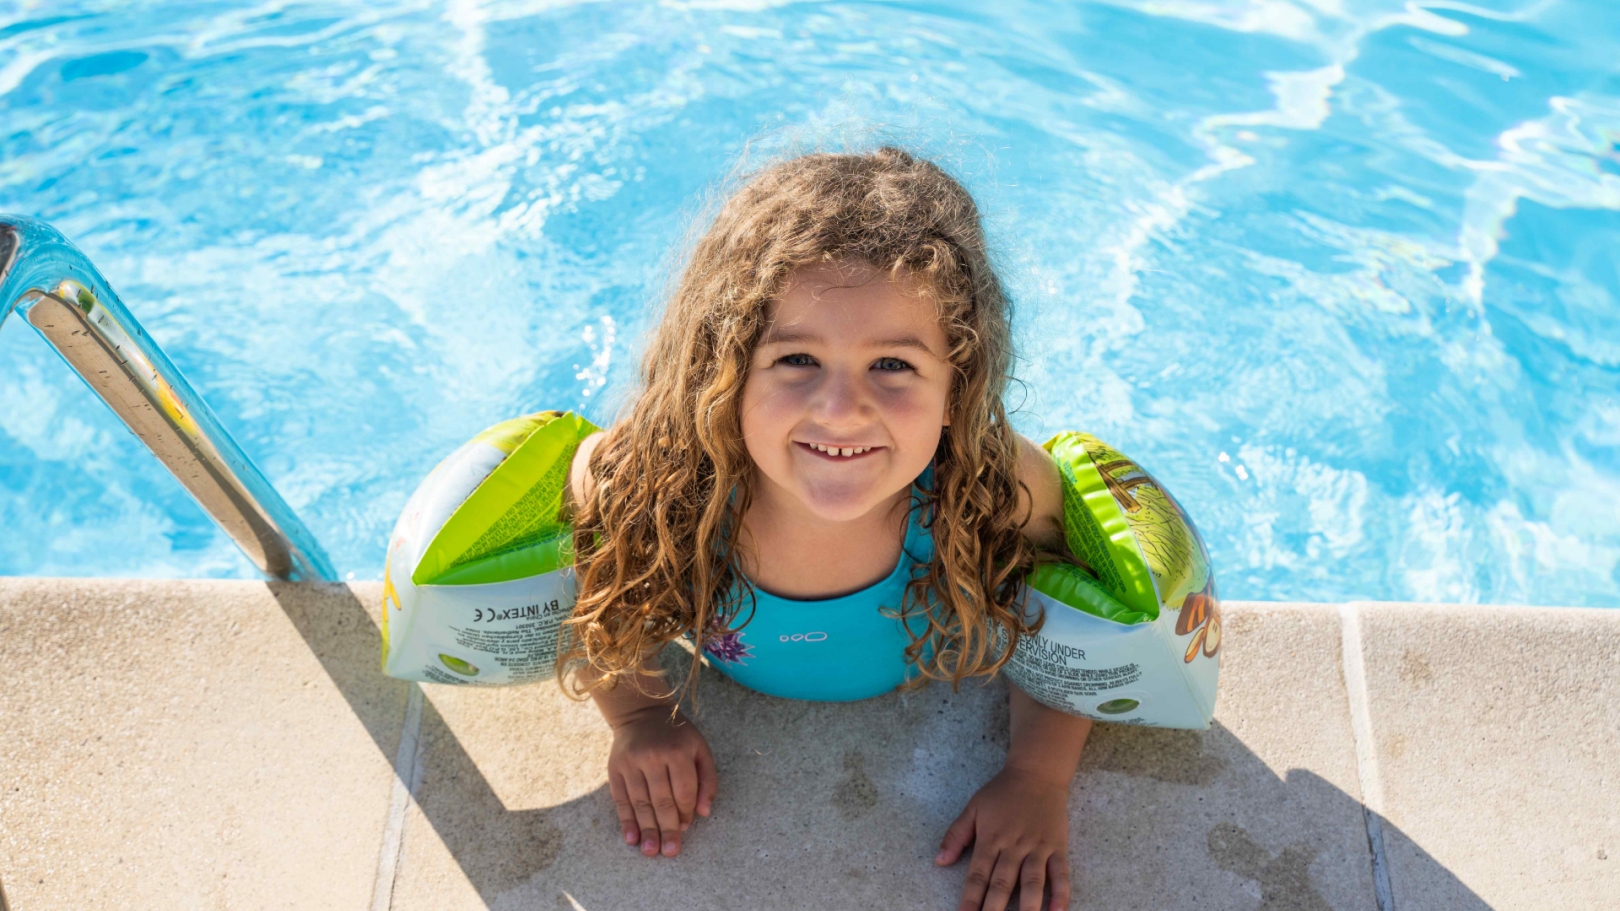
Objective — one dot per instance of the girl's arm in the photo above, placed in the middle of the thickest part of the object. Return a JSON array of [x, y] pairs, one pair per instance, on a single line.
[[1018, 823], [1041, 497], [660, 769]]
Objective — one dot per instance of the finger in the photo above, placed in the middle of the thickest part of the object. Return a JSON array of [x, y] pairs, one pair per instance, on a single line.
[[1032, 883], [621, 804], [957, 838], [641, 805], [1002, 879], [1057, 873], [708, 781], [683, 782], [669, 817], [978, 880]]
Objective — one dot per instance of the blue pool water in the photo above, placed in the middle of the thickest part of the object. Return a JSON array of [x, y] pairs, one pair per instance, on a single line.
[[1343, 274]]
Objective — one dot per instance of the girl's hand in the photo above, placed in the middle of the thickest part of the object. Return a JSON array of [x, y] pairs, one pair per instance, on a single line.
[[1018, 825], [660, 771]]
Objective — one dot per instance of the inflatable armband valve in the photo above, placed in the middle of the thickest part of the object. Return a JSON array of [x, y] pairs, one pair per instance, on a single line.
[[1139, 643], [479, 574]]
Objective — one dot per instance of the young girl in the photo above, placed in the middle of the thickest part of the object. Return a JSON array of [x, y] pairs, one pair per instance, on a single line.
[[819, 486]]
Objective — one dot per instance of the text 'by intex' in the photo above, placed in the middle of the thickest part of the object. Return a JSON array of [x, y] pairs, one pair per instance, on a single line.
[[526, 612]]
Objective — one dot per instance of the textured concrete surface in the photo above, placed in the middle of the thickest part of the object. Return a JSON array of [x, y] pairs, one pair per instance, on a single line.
[[185, 745], [843, 806], [1498, 750], [233, 745]]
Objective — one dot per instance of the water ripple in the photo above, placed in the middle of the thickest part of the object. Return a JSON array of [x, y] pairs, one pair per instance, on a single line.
[[1342, 274]]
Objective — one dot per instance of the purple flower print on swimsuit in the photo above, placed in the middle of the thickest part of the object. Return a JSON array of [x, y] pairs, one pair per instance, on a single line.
[[728, 647]]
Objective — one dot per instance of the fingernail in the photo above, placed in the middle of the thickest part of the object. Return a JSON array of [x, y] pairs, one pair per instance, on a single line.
[[630, 838], [940, 857], [670, 849], [649, 847]]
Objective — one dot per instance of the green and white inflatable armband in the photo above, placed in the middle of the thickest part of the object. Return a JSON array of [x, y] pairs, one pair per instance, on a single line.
[[1139, 643], [480, 566]]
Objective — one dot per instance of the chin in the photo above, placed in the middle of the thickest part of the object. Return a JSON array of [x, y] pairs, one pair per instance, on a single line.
[[836, 503]]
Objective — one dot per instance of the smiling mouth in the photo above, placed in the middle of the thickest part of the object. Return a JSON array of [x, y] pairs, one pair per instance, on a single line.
[[840, 453]]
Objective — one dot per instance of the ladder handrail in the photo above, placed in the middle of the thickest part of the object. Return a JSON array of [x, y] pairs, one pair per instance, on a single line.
[[63, 296]]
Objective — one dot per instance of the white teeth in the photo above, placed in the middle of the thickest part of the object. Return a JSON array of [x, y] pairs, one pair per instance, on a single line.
[[841, 451]]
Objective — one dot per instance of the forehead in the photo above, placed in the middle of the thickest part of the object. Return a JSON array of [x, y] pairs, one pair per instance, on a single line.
[[853, 303]]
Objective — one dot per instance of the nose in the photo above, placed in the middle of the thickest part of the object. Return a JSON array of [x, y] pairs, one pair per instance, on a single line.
[[841, 401]]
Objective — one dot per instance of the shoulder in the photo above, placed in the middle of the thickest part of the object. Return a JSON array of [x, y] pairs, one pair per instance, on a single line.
[[581, 484], [1040, 495]]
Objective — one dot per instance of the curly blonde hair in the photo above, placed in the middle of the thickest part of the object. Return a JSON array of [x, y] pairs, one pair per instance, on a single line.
[[653, 556]]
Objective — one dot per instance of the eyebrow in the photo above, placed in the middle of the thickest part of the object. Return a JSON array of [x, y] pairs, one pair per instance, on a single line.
[[788, 337], [904, 341], [781, 337]]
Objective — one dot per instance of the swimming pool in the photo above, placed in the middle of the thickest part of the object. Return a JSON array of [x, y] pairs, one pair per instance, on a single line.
[[1343, 274]]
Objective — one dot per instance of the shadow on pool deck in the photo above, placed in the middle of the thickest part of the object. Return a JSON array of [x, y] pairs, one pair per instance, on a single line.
[[843, 805]]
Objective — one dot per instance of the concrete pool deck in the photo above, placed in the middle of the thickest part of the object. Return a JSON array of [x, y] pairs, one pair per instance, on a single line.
[[233, 745]]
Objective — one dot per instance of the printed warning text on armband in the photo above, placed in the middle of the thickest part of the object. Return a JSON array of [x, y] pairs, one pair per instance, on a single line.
[[1053, 681], [1050, 650], [528, 651]]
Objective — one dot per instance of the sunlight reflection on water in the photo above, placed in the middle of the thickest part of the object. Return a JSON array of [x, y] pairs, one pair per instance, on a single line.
[[1344, 280]]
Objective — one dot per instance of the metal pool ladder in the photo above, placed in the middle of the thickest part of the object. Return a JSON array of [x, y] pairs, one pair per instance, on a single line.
[[54, 286]]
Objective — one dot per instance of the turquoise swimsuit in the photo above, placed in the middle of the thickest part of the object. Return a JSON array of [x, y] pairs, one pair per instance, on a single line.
[[836, 650]]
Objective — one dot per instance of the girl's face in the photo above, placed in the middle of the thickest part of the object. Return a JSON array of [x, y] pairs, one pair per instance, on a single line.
[[847, 393]]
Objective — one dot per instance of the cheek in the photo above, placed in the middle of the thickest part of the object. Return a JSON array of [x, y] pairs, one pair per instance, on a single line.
[[920, 407], [765, 407], [916, 420], [769, 414]]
